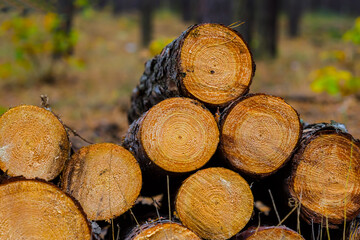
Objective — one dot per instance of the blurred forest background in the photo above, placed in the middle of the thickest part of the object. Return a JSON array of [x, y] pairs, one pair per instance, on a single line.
[[88, 55]]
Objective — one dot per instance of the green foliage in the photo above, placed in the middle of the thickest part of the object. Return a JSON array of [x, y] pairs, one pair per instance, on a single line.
[[33, 40], [2, 110], [353, 34], [334, 80], [85, 7], [157, 45], [321, 27]]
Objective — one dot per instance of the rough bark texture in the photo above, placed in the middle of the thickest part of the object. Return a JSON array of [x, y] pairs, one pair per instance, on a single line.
[[215, 203], [165, 75], [33, 143], [105, 178], [326, 174], [259, 134], [176, 135], [161, 229], [33, 209], [268, 233]]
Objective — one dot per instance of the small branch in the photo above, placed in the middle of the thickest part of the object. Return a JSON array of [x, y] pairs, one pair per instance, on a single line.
[[76, 134]]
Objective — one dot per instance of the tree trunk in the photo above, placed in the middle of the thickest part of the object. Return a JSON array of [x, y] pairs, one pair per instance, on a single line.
[[176, 135], [117, 6], [259, 134], [100, 4], [105, 178], [66, 10], [33, 143], [216, 11], [267, 28], [325, 177], [159, 230], [208, 62], [146, 9], [33, 209], [294, 12], [215, 203], [269, 233], [246, 13], [189, 10]]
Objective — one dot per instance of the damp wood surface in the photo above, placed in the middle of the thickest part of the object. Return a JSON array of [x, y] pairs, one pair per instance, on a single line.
[[326, 175], [105, 178], [208, 62], [177, 135], [33, 209], [259, 133], [215, 203], [33, 143]]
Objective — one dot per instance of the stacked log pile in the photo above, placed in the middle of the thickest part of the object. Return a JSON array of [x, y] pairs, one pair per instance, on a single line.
[[225, 162]]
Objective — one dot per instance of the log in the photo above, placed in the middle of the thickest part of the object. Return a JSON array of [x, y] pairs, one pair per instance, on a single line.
[[325, 177], [353, 231], [215, 203], [105, 178], [208, 62], [269, 233], [33, 143], [159, 230], [259, 133], [34, 209], [177, 135]]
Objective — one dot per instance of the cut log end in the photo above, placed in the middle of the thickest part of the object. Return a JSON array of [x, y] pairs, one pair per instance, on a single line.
[[259, 134], [179, 135], [215, 203], [33, 143], [269, 233], [163, 230], [216, 63], [326, 177], [32, 209], [105, 178]]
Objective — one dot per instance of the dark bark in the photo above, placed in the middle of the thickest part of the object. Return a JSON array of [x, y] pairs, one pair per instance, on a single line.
[[160, 80], [310, 133], [154, 177], [132, 142], [163, 76], [267, 28]]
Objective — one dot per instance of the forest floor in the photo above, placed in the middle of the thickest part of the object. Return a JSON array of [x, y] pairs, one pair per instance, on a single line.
[[93, 99]]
